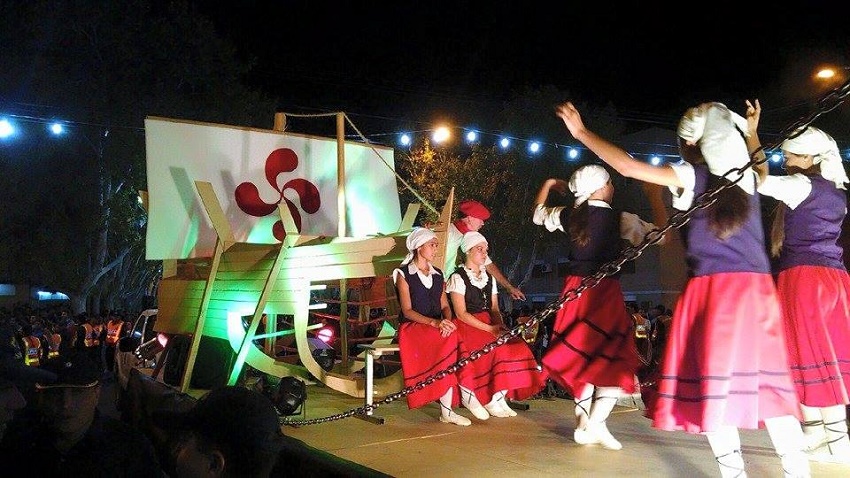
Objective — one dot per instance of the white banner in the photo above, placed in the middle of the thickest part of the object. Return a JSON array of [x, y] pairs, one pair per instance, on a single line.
[[252, 171]]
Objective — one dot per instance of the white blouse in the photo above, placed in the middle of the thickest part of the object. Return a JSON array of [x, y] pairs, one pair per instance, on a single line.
[[632, 227], [427, 279], [456, 283]]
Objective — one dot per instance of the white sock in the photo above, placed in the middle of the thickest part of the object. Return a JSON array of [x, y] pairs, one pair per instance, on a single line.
[[446, 404], [835, 423], [603, 403], [468, 398], [501, 402], [583, 401], [788, 441], [726, 445], [813, 428]]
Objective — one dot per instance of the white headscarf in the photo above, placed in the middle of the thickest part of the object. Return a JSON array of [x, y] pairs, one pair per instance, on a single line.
[[716, 130], [470, 240], [586, 180], [416, 239], [824, 150]]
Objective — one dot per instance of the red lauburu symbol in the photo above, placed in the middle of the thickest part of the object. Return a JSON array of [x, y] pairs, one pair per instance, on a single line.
[[282, 160]]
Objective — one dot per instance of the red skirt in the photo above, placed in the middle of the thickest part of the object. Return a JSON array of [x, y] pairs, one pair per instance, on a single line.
[[816, 305], [592, 340], [510, 366], [425, 352], [726, 361]]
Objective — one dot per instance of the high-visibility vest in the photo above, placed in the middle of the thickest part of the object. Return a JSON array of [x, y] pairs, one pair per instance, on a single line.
[[32, 354], [92, 335], [53, 345], [113, 331]]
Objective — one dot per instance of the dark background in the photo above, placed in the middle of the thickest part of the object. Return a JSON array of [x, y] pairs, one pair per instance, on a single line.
[[397, 63]]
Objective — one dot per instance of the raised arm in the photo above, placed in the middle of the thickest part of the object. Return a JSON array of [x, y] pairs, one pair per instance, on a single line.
[[613, 155], [656, 204], [558, 185], [753, 143]]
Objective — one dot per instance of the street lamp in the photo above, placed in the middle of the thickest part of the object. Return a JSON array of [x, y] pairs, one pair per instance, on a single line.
[[832, 73]]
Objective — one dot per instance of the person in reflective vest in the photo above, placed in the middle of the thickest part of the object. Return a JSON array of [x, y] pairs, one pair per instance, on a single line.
[[113, 330], [32, 347], [54, 341], [113, 334], [93, 330]]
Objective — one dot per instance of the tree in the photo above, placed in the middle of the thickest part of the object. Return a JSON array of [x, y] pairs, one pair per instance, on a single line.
[[106, 66], [506, 181]]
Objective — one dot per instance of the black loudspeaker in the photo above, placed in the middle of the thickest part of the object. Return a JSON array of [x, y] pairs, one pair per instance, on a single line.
[[175, 354], [213, 364], [289, 395]]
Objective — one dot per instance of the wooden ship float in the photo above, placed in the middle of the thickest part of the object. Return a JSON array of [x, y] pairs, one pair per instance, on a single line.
[[261, 298]]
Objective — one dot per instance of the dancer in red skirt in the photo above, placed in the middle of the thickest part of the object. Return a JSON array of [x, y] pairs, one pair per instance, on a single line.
[[813, 284], [508, 368], [725, 364], [592, 349], [427, 338]]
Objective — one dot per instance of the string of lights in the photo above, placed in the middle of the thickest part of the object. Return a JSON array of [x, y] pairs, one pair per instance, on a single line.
[[439, 135]]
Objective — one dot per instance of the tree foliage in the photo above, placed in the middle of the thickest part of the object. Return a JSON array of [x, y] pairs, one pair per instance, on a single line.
[[506, 181], [104, 66]]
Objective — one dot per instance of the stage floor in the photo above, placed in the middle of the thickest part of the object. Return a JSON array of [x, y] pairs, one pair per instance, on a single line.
[[538, 442]]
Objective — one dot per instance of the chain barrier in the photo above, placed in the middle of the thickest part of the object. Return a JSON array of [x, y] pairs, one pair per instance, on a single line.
[[826, 104]]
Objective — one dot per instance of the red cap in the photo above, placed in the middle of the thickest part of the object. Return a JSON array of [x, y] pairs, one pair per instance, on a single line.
[[474, 209]]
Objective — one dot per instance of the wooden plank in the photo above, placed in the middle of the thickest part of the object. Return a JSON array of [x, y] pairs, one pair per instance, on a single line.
[[442, 231], [343, 245], [409, 217], [331, 260], [267, 252], [225, 285], [228, 303], [243, 275], [214, 211]]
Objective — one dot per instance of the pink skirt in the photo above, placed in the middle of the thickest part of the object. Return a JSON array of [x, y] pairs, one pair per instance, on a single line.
[[425, 352], [816, 304], [592, 340], [510, 366], [726, 361]]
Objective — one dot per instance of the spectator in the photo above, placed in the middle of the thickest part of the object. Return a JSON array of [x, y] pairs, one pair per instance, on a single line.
[[32, 346], [473, 214], [11, 400], [114, 332], [231, 431], [64, 434], [12, 365]]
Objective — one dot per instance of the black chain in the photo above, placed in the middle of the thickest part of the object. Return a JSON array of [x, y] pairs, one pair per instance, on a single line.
[[826, 104]]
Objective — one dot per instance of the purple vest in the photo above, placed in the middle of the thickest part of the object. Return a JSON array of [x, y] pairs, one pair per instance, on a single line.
[[423, 300], [604, 243], [812, 229], [744, 251]]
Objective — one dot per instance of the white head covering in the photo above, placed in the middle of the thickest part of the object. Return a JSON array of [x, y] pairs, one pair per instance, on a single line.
[[470, 240], [586, 180], [416, 239], [824, 150], [717, 131]]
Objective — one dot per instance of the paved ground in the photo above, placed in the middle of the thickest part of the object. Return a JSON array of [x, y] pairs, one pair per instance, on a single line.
[[537, 443]]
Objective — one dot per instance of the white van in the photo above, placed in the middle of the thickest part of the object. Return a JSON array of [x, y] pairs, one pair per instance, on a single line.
[[140, 348]]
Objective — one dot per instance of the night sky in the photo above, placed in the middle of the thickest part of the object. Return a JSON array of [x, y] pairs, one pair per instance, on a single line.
[[417, 60]]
